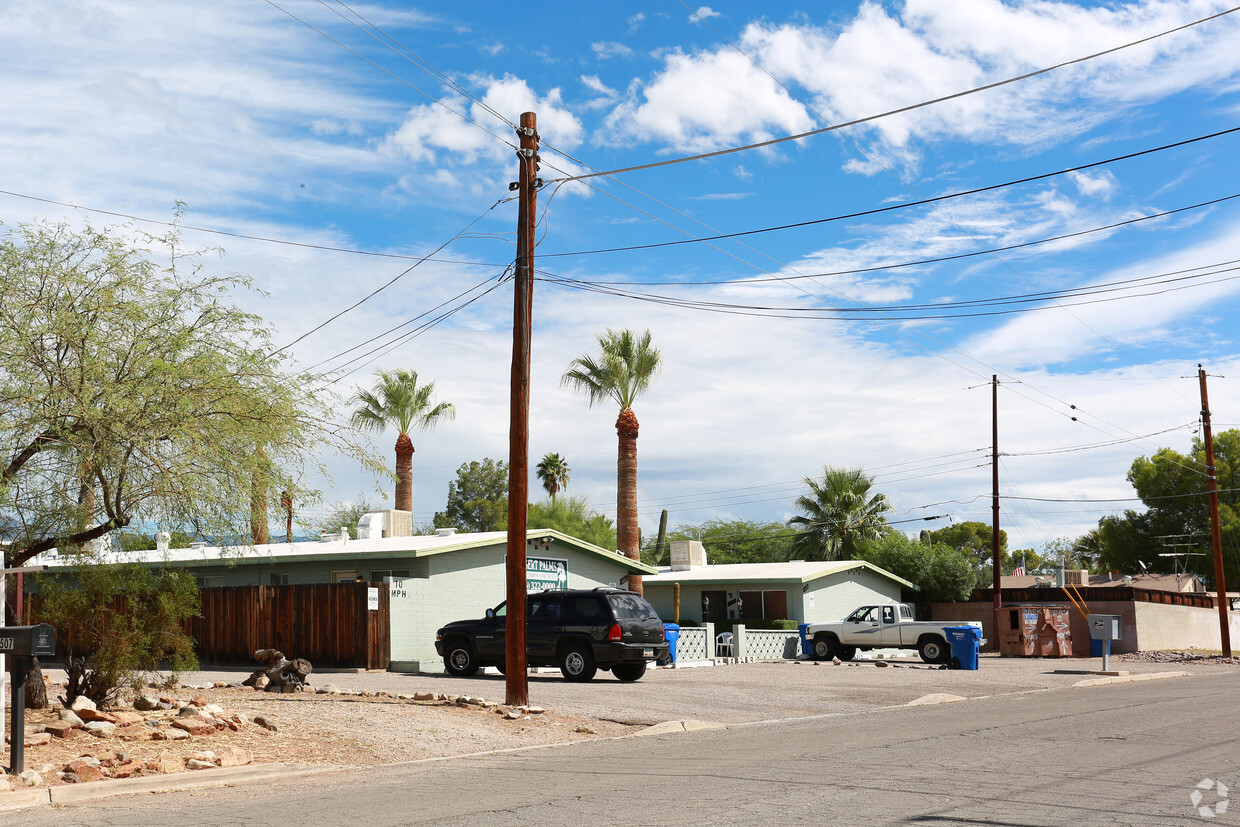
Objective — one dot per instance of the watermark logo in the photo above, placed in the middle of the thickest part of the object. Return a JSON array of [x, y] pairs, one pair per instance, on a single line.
[[1205, 790]]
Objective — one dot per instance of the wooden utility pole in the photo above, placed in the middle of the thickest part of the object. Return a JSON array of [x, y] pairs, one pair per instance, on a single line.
[[995, 554], [1220, 582], [517, 684]]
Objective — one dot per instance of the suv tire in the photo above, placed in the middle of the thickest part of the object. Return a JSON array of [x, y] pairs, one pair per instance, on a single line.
[[459, 659], [577, 663], [629, 672]]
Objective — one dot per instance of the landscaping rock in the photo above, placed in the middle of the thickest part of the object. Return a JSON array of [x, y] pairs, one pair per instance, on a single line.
[[60, 729], [193, 725], [145, 703], [38, 739], [166, 762], [30, 778], [82, 702], [85, 770], [71, 718], [266, 723], [196, 764], [233, 757], [100, 729], [89, 715]]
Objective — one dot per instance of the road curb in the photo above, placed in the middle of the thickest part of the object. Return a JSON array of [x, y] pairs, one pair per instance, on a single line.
[[1148, 676], [174, 782], [677, 726]]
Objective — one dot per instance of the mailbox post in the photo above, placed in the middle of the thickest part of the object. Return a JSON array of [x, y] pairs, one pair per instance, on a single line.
[[23, 644], [1105, 628]]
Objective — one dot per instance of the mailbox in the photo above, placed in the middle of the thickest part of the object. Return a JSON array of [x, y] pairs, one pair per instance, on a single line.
[[1104, 627], [28, 641]]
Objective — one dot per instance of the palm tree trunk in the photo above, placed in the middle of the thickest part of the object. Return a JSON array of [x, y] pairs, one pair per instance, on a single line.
[[627, 537], [404, 473]]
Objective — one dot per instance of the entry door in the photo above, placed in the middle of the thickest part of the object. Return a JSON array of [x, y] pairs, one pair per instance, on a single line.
[[714, 607]]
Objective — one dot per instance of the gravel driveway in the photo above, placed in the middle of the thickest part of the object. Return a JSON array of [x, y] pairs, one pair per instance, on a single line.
[[740, 693]]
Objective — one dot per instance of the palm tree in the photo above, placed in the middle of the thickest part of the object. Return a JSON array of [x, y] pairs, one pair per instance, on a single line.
[[553, 471], [398, 399], [621, 372], [840, 511]]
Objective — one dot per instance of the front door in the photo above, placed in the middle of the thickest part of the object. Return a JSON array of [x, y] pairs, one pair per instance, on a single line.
[[714, 607]]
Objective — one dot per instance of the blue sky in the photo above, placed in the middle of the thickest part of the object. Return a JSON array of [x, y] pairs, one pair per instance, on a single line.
[[382, 128]]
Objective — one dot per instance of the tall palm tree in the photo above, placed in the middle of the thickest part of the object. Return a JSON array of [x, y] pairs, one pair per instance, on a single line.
[[398, 399], [621, 372], [553, 471], [840, 511]]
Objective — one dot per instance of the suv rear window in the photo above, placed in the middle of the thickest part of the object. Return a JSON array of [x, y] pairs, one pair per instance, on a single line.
[[631, 607]]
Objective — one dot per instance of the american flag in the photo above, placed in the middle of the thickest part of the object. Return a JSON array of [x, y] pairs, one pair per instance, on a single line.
[[1019, 571]]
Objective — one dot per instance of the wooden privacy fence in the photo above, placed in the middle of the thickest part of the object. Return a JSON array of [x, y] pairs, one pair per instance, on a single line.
[[329, 624], [1044, 594]]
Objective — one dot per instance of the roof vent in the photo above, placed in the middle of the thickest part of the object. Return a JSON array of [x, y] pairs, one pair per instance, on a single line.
[[198, 544], [686, 554], [445, 532]]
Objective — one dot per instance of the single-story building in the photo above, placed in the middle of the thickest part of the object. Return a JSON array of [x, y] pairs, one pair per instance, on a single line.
[[433, 579], [800, 590]]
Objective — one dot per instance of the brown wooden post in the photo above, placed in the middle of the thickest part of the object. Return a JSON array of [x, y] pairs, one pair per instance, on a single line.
[[517, 683], [1220, 583], [995, 554]]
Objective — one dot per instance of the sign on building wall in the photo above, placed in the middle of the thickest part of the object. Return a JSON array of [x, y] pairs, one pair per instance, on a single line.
[[543, 573]]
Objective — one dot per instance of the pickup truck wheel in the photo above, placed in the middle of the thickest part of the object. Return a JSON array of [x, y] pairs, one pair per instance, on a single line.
[[933, 650], [577, 663], [826, 647], [459, 659], [629, 672], [846, 652]]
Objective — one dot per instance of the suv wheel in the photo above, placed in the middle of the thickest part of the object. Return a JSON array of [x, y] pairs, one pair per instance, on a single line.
[[629, 672], [577, 663], [459, 659]]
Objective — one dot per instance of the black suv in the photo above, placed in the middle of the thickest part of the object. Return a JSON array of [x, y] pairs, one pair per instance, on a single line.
[[580, 631]]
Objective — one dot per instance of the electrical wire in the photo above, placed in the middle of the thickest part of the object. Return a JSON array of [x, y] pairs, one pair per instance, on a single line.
[[891, 112], [894, 207]]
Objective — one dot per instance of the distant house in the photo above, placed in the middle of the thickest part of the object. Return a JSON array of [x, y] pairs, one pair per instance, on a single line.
[[800, 590]]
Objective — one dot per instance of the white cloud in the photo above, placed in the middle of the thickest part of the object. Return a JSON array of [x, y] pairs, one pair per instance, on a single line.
[[607, 50], [703, 13], [702, 102], [592, 82], [1096, 185]]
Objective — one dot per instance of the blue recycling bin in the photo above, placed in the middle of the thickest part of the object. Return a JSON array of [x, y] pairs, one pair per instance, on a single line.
[[671, 633], [966, 643], [807, 646]]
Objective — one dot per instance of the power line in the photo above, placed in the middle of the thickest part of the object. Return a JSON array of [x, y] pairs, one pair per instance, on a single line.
[[894, 207], [889, 113], [387, 284]]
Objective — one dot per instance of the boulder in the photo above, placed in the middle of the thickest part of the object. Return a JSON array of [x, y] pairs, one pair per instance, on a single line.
[[196, 764], [234, 757], [82, 702], [100, 729], [59, 729], [71, 718], [30, 778], [84, 770], [166, 762]]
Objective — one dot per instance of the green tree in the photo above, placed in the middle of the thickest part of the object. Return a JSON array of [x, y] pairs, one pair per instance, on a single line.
[[974, 538], [125, 621], [477, 498], [622, 371], [553, 471], [134, 390], [397, 399], [940, 572], [734, 541], [1176, 518], [346, 515], [841, 510], [572, 516]]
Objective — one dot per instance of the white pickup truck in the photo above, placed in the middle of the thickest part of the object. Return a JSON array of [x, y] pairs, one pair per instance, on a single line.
[[882, 626]]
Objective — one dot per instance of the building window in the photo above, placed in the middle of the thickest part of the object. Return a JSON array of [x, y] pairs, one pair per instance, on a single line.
[[210, 582], [279, 580], [344, 576], [764, 605]]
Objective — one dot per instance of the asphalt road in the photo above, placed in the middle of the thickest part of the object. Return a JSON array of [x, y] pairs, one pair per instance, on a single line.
[[1123, 754]]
